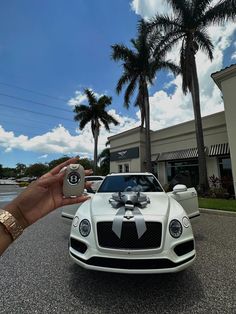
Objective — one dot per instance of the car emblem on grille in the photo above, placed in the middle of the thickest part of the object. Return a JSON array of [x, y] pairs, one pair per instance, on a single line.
[[128, 215]]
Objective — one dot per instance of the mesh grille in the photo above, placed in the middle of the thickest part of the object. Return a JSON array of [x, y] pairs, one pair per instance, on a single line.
[[129, 239], [184, 248], [78, 246]]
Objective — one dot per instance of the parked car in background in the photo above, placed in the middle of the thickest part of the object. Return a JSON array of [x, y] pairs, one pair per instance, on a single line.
[[131, 225], [96, 181], [26, 179]]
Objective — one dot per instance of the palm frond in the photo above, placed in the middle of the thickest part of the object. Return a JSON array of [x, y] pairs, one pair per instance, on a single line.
[[91, 97], [170, 66], [121, 53], [107, 119], [167, 43], [223, 11], [104, 101], [200, 7], [143, 28], [165, 23], [105, 123], [111, 119], [83, 122], [80, 108], [204, 42], [124, 79], [180, 7], [129, 91]]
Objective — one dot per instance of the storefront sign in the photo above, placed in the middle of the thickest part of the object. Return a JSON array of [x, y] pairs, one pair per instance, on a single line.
[[124, 154]]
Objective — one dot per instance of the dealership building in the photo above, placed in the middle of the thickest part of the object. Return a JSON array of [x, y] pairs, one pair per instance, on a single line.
[[174, 149]]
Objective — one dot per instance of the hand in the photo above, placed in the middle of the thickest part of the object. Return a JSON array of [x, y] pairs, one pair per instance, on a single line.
[[43, 196]]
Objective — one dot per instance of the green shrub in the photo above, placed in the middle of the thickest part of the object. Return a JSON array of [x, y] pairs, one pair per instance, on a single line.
[[218, 192]]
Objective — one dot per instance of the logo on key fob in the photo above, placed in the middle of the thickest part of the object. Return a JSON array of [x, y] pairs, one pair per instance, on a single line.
[[73, 178], [73, 183]]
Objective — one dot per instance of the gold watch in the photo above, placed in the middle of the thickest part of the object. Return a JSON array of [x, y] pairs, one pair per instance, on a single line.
[[11, 224]]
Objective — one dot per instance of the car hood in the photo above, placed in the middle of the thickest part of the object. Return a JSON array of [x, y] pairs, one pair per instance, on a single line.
[[158, 206]]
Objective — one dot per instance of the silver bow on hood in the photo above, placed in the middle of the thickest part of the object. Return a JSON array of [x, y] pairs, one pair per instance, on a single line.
[[128, 204]]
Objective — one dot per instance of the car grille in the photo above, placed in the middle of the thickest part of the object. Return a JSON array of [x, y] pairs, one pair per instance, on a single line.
[[129, 238]]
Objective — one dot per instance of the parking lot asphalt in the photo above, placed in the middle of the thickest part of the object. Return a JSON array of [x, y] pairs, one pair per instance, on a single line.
[[8, 192], [37, 276]]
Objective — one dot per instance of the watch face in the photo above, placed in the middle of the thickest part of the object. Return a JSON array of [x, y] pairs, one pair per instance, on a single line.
[[73, 178]]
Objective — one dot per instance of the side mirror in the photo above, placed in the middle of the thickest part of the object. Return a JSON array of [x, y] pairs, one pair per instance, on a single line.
[[179, 188]]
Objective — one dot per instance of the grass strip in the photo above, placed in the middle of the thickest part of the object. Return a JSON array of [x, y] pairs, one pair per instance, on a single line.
[[216, 203]]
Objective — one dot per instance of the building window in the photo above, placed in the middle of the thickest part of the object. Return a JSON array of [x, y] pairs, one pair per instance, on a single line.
[[126, 167], [120, 168], [183, 172], [226, 174]]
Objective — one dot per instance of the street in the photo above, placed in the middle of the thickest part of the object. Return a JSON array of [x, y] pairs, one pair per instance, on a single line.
[[37, 275]]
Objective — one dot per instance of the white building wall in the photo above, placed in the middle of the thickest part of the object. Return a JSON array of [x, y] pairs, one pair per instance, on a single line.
[[175, 138], [226, 81]]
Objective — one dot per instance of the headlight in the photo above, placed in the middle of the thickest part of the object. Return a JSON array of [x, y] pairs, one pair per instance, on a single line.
[[175, 228], [84, 227]]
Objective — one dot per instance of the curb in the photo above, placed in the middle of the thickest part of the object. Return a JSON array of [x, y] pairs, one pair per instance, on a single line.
[[217, 212]]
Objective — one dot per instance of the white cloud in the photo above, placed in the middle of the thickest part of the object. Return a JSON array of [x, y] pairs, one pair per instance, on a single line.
[[43, 156], [148, 8], [59, 140], [80, 98], [233, 57]]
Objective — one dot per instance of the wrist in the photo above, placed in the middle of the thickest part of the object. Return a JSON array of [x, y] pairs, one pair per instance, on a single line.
[[11, 225], [6, 239], [15, 211]]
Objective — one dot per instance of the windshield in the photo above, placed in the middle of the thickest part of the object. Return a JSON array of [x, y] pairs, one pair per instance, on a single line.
[[125, 183]]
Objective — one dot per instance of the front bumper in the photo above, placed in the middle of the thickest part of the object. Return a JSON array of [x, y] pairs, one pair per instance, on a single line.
[[167, 256], [135, 266]]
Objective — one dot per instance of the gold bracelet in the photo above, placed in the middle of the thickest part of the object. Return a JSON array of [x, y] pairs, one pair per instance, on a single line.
[[10, 223]]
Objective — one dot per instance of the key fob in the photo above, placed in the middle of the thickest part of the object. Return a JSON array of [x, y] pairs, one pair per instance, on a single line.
[[73, 184]]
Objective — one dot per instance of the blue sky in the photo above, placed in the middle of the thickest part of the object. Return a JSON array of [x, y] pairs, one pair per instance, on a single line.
[[57, 48]]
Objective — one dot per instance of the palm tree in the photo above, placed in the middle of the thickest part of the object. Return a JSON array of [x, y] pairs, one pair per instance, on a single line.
[[139, 70], [104, 158], [96, 114], [188, 26]]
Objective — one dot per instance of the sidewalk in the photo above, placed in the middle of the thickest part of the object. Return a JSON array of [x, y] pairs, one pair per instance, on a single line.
[[217, 212]]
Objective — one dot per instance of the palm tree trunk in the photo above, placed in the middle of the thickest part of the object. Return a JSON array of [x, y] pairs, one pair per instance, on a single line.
[[95, 153], [203, 180], [147, 130]]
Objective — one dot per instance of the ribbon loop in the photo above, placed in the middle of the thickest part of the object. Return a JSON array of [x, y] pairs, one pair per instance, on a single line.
[[129, 201]]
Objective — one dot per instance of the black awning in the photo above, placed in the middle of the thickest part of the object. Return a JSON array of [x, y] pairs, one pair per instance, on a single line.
[[219, 150], [179, 154]]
